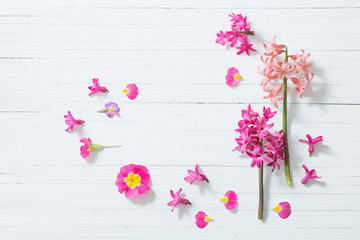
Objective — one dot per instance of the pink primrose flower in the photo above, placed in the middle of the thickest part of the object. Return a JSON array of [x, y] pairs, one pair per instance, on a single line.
[[308, 175], [232, 77], [230, 200], [71, 121], [283, 209], [177, 199], [195, 175], [311, 141], [131, 91], [133, 180], [96, 87], [202, 219]]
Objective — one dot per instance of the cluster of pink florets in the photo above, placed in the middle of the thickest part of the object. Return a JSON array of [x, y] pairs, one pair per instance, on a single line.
[[238, 36], [257, 141], [276, 68]]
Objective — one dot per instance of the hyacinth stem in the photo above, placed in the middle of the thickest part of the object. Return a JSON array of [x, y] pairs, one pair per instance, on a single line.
[[284, 123], [261, 193]]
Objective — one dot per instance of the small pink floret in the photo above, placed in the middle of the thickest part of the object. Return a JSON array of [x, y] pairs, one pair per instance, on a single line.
[[96, 87], [195, 175], [71, 121], [177, 199], [85, 149]]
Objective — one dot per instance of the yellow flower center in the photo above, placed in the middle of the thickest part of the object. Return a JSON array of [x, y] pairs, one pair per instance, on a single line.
[[111, 110], [237, 77], [132, 180], [207, 219], [126, 90], [277, 208], [224, 200]]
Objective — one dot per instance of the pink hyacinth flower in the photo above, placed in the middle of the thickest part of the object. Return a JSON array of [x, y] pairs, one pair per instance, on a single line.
[[232, 77], [311, 141], [230, 200], [202, 219], [177, 199], [133, 180], [257, 156], [195, 175], [96, 87], [71, 121], [222, 38], [245, 47], [283, 209], [131, 91], [308, 175]]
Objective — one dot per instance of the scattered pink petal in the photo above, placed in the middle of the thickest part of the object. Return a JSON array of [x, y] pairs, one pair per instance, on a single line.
[[308, 175], [195, 175], [133, 180], [71, 121], [177, 199], [131, 91], [230, 200], [311, 141], [232, 77], [96, 87], [202, 219], [283, 209]]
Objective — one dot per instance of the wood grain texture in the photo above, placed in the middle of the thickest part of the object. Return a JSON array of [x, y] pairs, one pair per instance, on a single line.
[[185, 114]]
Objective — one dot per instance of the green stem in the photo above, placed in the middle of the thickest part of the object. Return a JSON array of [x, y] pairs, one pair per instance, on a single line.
[[261, 193], [284, 123]]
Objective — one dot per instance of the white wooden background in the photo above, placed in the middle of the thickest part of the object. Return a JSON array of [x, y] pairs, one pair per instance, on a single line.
[[185, 114]]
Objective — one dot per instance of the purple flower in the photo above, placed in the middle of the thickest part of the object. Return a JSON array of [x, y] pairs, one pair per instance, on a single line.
[[257, 156], [110, 110]]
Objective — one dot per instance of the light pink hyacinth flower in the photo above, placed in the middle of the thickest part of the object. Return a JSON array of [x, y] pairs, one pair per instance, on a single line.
[[202, 219], [133, 180], [71, 121], [230, 200], [177, 199], [311, 141], [232, 77], [283, 209], [131, 91], [308, 175], [96, 87], [195, 175]]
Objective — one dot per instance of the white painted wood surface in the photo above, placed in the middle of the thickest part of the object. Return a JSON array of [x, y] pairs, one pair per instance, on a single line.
[[185, 114]]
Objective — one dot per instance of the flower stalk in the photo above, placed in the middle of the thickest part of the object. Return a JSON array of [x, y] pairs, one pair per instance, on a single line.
[[284, 125], [261, 193]]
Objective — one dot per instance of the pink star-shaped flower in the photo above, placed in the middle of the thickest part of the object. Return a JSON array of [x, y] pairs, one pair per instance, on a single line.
[[71, 121], [308, 175], [195, 175], [311, 141], [96, 87], [177, 199]]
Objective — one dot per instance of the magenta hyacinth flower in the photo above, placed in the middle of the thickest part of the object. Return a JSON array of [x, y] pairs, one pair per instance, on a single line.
[[96, 87], [245, 47], [133, 180], [111, 109], [283, 209], [311, 142], [202, 219], [131, 91], [308, 175], [230, 200], [177, 199], [71, 121], [232, 77], [257, 156], [195, 175], [262, 127], [222, 38]]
